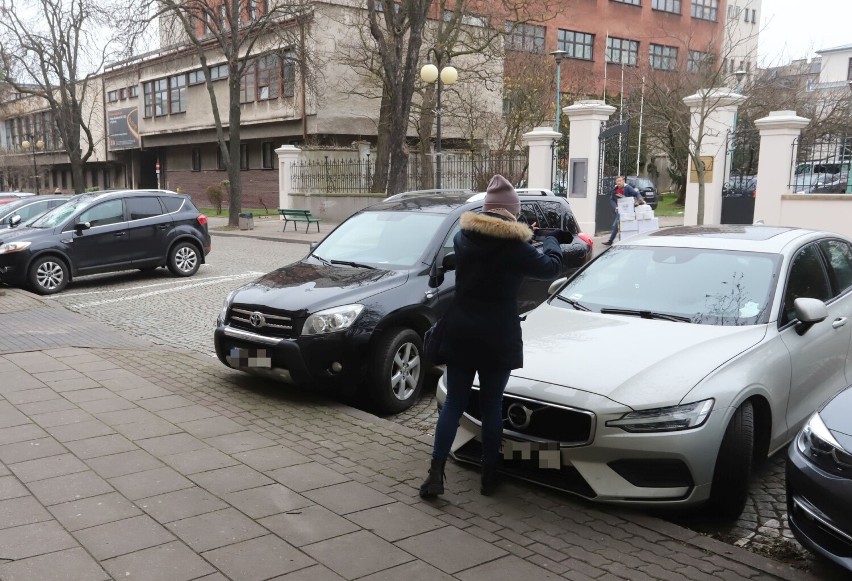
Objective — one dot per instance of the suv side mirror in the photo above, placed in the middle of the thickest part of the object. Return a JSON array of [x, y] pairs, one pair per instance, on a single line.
[[80, 226], [436, 273], [14, 220], [449, 262]]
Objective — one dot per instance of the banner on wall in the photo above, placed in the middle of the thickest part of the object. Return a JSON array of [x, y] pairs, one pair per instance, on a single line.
[[123, 128]]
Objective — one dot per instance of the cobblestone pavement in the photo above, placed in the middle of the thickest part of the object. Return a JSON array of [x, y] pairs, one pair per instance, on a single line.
[[181, 313], [131, 462]]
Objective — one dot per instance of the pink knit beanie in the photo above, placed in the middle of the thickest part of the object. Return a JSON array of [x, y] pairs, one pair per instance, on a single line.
[[501, 194]]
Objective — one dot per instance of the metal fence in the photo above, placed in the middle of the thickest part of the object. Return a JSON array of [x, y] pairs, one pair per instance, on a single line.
[[820, 164], [355, 176]]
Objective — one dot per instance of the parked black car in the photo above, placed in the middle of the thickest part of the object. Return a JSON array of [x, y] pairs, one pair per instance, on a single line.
[[352, 313], [104, 232], [28, 208], [644, 185], [819, 482]]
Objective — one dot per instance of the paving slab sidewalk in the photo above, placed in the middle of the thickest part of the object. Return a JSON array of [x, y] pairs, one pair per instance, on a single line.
[[124, 460]]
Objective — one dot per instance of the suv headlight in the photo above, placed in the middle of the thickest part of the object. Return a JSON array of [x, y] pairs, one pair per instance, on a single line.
[[225, 306], [667, 419], [11, 247], [817, 444], [332, 320]]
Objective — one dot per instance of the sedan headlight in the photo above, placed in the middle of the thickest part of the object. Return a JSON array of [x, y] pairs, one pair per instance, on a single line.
[[817, 444], [332, 320], [11, 247], [667, 419]]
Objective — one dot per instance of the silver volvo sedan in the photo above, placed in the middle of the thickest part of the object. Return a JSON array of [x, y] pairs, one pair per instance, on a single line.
[[657, 375]]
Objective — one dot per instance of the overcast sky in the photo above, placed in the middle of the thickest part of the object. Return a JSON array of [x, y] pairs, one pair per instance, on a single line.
[[792, 29]]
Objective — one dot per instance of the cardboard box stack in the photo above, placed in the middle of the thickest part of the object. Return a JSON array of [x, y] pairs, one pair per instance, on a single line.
[[635, 219]]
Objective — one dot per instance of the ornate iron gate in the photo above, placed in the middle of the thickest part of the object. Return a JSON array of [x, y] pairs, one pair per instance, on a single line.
[[740, 186], [613, 145]]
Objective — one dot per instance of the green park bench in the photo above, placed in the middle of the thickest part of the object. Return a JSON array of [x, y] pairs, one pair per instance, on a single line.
[[298, 216]]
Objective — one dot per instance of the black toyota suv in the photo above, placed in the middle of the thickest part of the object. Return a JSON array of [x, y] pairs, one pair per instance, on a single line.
[[105, 232], [352, 313]]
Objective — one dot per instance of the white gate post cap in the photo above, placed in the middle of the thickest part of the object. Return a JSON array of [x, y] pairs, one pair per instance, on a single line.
[[716, 98], [590, 108], [541, 134], [781, 120]]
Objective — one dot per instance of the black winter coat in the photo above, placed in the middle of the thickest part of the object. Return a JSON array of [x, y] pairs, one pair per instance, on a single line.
[[493, 255]]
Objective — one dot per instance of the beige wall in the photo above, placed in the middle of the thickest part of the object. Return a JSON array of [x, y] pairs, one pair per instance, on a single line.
[[818, 211], [835, 66]]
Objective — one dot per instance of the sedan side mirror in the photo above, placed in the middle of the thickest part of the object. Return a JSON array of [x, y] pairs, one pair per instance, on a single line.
[[556, 285], [809, 312], [80, 226], [314, 246], [14, 220]]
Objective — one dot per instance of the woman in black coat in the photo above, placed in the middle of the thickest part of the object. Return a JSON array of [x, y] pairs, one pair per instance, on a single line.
[[483, 328]]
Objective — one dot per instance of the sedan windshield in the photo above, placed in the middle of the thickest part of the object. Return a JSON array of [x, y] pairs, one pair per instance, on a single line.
[[643, 183], [710, 287], [380, 239], [60, 214]]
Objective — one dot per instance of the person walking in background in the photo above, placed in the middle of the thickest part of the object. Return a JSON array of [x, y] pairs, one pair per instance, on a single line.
[[620, 190], [483, 328]]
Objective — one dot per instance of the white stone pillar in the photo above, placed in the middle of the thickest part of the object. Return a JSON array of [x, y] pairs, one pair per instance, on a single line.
[[287, 154], [719, 109], [778, 132], [540, 170], [585, 118]]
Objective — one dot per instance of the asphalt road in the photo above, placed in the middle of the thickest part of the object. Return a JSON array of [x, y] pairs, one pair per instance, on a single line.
[[181, 312]]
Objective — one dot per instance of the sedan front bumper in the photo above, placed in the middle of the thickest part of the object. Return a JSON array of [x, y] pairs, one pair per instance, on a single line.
[[604, 464]]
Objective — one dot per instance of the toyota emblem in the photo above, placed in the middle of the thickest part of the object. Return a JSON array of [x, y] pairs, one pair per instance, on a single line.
[[519, 416], [257, 319]]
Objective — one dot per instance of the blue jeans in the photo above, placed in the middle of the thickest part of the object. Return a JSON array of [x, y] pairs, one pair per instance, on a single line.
[[492, 382], [614, 228]]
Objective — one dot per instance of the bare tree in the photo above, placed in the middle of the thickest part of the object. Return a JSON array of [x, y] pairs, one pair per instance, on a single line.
[[236, 34], [52, 51]]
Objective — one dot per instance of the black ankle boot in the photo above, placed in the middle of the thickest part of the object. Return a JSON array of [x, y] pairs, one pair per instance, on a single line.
[[434, 483], [490, 479]]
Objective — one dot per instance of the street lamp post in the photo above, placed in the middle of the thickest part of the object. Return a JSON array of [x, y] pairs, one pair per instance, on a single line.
[[443, 75], [740, 75], [33, 145], [558, 55]]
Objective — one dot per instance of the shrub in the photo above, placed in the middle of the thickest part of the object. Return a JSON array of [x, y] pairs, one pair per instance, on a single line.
[[216, 195]]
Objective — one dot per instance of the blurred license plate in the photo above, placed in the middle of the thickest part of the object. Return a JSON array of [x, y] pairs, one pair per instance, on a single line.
[[544, 454], [256, 358]]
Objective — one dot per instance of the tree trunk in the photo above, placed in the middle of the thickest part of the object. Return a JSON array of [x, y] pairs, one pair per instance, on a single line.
[[380, 173], [234, 177]]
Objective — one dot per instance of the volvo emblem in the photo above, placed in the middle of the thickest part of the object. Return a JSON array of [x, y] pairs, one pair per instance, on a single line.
[[257, 319], [519, 416]]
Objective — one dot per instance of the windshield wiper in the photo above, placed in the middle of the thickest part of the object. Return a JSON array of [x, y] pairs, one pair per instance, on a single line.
[[576, 304], [350, 263], [321, 259], [647, 315]]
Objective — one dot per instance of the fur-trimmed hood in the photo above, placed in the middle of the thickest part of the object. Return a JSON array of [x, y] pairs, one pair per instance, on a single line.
[[495, 227]]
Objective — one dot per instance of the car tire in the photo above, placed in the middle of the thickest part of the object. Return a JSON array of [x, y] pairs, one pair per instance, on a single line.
[[397, 371], [184, 259], [732, 473], [48, 275]]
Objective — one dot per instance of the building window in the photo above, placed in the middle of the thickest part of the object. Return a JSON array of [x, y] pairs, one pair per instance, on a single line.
[[148, 91], [663, 57], [621, 50], [849, 71], [578, 45], [244, 156], [112, 96], [524, 37], [754, 16], [697, 60], [161, 97], [218, 72], [177, 90], [268, 77], [195, 77], [705, 9], [94, 178], [107, 179], [134, 91], [248, 84], [220, 161], [633, 2], [267, 154], [196, 159], [288, 85], [122, 93], [666, 5]]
